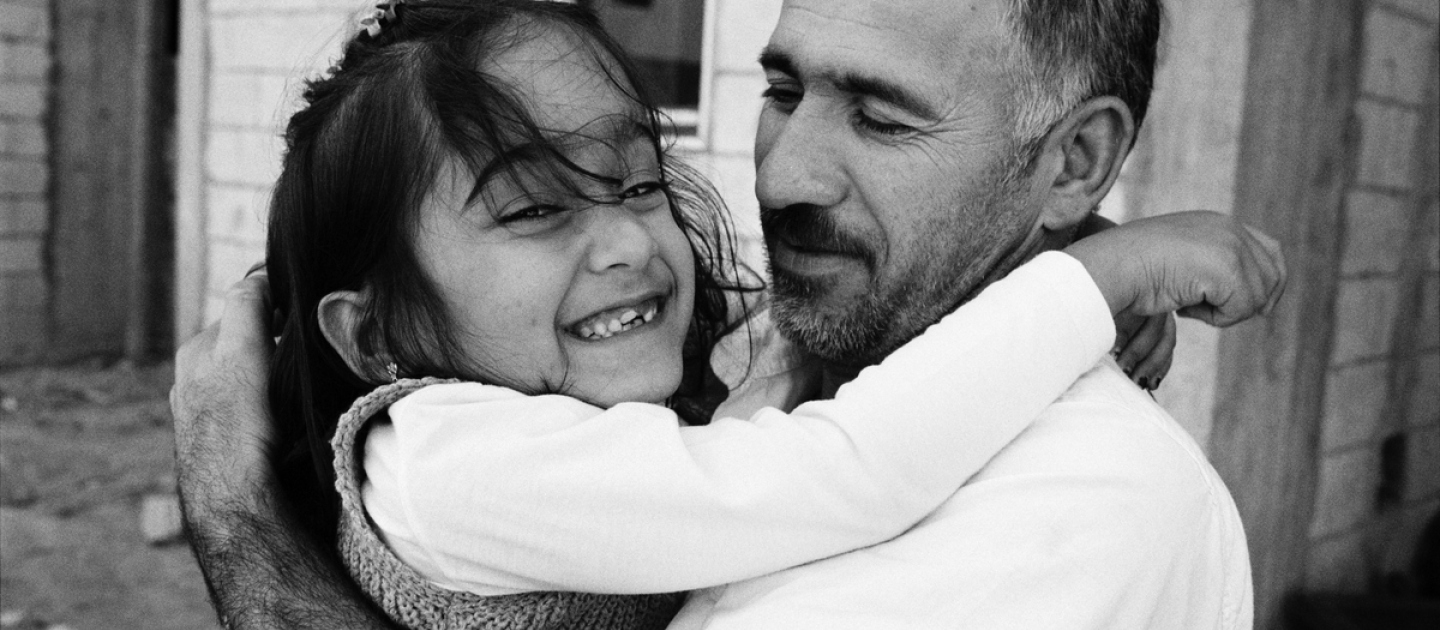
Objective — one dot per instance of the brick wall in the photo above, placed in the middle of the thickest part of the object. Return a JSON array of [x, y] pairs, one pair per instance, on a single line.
[[740, 30], [1384, 375], [259, 51], [24, 175]]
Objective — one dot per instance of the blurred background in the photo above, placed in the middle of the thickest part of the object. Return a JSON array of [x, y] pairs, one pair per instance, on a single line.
[[138, 142]]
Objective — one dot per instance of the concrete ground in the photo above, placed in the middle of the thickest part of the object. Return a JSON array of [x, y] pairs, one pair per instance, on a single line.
[[80, 450]]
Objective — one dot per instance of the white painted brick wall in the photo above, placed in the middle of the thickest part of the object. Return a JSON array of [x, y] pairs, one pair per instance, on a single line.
[[1338, 565], [1423, 465], [1431, 223], [25, 66], [1354, 540], [261, 51], [1345, 495], [1375, 224], [19, 217], [735, 112], [1429, 324], [741, 30], [1354, 398], [1426, 10], [25, 19], [1365, 313], [745, 26], [1387, 144], [1397, 56], [1424, 407]]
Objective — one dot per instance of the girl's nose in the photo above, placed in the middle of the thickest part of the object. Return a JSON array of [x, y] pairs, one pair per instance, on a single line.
[[618, 238]]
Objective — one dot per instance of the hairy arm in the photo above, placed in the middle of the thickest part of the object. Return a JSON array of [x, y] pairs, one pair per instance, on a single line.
[[261, 566]]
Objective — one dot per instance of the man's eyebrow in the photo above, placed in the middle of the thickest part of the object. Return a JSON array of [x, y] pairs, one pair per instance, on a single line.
[[859, 84], [888, 92], [771, 59]]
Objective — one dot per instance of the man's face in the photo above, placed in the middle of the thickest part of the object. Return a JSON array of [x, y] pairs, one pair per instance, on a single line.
[[883, 160]]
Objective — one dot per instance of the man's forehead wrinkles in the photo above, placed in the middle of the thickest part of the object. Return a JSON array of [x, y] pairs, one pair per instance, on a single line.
[[845, 18]]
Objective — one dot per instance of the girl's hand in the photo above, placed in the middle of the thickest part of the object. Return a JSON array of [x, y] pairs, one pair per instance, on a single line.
[[1203, 265], [1144, 347]]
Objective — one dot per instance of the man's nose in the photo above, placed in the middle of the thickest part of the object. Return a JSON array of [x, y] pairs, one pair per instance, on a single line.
[[618, 237], [796, 161]]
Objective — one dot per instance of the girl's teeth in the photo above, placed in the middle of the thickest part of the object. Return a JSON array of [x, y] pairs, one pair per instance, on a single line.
[[628, 320]]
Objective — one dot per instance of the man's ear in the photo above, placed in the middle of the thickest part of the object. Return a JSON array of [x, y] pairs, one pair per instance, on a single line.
[[340, 313], [1084, 152]]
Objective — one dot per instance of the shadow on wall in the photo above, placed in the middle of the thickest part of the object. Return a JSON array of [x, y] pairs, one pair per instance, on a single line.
[[1406, 601]]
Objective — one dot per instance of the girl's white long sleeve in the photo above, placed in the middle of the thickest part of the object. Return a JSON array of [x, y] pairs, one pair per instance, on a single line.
[[483, 489]]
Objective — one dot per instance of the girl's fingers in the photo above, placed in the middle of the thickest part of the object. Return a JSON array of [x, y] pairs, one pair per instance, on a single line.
[[1155, 364], [1126, 326], [1141, 343]]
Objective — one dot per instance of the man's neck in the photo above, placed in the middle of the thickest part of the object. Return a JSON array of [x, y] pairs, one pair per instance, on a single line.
[[833, 375]]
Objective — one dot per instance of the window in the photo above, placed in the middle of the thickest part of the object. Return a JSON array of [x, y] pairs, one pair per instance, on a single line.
[[665, 39]]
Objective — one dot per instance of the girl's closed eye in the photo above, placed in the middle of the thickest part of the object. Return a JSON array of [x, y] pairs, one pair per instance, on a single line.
[[533, 215], [641, 189]]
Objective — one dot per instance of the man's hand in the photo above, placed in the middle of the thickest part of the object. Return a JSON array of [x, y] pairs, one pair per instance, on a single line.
[[262, 568], [1203, 265], [223, 431]]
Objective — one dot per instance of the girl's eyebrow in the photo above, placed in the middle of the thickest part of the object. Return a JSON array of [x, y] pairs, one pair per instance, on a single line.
[[616, 129], [525, 152]]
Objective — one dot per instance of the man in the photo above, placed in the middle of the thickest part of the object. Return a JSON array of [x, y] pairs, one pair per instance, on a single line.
[[909, 153]]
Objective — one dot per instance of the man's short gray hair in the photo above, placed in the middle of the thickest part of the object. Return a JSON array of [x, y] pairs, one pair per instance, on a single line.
[[1073, 50]]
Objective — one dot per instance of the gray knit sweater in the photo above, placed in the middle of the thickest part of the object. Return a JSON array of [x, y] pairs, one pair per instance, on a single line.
[[414, 602]]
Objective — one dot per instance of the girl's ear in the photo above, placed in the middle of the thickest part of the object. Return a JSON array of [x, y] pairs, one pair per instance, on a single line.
[[340, 313]]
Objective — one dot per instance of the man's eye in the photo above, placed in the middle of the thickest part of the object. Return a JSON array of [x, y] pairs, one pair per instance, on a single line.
[[783, 97], [884, 128]]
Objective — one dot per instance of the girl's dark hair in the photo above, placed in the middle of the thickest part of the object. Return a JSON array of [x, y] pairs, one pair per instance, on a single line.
[[361, 156]]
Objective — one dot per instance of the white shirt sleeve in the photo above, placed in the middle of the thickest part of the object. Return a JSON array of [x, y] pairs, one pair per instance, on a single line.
[[487, 490]]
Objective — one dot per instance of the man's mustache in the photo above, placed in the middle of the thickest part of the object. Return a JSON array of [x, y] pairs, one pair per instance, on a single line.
[[811, 228]]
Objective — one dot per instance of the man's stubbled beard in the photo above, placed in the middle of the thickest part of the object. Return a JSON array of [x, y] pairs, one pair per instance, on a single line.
[[896, 308]]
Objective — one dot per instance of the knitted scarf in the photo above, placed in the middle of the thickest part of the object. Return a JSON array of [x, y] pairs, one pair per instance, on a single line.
[[415, 603]]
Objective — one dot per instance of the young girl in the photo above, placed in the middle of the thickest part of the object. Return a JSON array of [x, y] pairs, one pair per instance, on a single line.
[[477, 196]]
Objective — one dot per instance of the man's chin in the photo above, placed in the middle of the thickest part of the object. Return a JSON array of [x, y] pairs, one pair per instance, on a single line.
[[827, 320]]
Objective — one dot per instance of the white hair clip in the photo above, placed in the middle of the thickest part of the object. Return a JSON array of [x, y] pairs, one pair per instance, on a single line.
[[371, 23], [375, 22]]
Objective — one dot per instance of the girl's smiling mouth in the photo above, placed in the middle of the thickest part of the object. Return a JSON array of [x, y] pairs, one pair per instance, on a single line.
[[614, 320]]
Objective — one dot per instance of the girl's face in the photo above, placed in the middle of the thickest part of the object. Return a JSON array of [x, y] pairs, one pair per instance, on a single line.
[[554, 292]]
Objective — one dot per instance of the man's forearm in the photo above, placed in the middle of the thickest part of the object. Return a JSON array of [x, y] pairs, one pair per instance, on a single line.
[[264, 572]]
